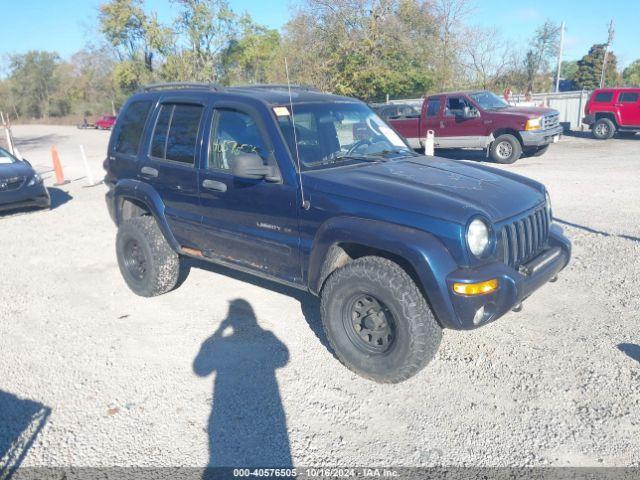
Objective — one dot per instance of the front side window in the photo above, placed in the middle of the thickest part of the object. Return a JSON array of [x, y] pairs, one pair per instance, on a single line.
[[176, 133], [329, 134], [628, 97], [233, 133], [603, 97], [456, 105], [130, 127]]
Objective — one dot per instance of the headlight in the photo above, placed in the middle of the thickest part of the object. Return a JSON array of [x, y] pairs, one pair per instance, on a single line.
[[478, 237], [35, 179], [533, 124], [548, 205]]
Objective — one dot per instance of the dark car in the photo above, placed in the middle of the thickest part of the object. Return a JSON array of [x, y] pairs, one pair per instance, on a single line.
[[481, 119], [20, 185], [395, 110], [316, 192]]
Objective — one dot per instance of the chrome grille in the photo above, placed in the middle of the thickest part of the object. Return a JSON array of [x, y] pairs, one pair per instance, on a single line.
[[525, 238], [550, 121], [11, 183]]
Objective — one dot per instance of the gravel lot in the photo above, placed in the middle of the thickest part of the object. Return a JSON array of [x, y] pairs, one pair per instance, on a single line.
[[114, 379]]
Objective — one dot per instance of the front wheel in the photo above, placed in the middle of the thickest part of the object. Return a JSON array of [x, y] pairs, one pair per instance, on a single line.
[[377, 321], [604, 129], [505, 149], [147, 262]]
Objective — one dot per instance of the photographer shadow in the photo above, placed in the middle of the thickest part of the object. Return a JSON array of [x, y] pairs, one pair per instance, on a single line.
[[247, 426]]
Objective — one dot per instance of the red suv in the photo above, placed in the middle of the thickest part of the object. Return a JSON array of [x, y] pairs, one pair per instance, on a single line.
[[105, 122], [611, 110]]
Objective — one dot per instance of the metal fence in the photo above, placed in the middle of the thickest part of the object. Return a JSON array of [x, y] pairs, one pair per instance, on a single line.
[[569, 104]]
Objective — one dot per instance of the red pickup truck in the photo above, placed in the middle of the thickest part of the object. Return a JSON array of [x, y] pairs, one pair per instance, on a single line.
[[481, 119], [613, 110]]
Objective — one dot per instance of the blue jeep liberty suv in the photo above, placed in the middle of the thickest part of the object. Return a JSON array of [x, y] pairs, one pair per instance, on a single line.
[[315, 191]]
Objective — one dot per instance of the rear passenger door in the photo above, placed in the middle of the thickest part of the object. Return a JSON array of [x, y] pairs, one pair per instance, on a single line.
[[169, 165], [250, 223]]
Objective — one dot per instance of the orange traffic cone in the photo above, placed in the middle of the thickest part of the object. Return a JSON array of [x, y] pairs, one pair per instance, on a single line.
[[57, 167]]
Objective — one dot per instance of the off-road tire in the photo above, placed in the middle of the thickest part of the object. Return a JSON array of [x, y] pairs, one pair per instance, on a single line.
[[161, 264], [503, 144], [417, 334], [536, 151], [603, 129]]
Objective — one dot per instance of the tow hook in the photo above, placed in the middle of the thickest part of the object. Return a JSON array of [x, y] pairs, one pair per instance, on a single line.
[[517, 308]]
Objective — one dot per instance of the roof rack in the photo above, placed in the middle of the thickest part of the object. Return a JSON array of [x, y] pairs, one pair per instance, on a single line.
[[152, 87], [284, 86]]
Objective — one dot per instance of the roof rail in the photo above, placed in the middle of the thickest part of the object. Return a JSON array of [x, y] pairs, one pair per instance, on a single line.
[[152, 87], [284, 86]]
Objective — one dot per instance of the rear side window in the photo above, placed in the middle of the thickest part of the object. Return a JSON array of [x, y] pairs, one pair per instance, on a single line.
[[603, 97], [628, 97], [433, 107], [176, 133], [130, 127]]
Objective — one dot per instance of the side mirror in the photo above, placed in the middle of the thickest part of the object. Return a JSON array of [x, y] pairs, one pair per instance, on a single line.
[[27, 162], [250, 166]]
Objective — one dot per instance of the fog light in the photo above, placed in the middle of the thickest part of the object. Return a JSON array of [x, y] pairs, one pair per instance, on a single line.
[[479, 316], [481, 288]]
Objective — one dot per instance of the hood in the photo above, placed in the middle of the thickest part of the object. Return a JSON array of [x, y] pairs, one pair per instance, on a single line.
[[433, 186], [17, 169], [528, 112]]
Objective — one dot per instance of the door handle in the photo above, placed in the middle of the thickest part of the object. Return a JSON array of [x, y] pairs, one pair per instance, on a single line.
[[214, 185], [148, 172]]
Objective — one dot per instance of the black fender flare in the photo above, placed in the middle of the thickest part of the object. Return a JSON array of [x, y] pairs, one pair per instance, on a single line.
[[428, 256], [143, 193]]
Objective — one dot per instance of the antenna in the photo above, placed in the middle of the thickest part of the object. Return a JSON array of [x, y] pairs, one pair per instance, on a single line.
[[305, 203]]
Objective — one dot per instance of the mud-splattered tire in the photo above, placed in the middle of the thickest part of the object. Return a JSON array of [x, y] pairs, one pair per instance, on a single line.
[[148, 264], [377, 321]]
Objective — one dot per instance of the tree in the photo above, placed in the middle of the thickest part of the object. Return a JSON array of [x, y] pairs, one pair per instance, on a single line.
[[589, 71], [536, 62], [251, 55], [207, 26], [34, 79], [631, 74], [136, 37]]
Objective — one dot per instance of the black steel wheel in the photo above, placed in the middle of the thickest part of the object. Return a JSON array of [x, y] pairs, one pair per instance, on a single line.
[[377, 321], [134, 259], [369, 323]]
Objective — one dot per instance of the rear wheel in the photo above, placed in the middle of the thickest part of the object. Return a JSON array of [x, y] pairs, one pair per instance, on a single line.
[[147, 262], [604, 129], [505, 149], [377, 321]]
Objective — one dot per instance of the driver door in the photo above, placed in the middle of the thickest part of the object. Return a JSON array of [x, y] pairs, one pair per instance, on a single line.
[[249, 223], [459, 131]]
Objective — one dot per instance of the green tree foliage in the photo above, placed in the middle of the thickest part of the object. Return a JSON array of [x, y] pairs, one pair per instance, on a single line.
[[631, 74], [536, 62], [589, 70], [34, 84]]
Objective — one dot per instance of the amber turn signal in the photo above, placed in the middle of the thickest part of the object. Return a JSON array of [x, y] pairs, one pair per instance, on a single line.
[[481, 288]]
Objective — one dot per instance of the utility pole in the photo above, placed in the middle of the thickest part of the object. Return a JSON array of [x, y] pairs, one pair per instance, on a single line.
[[560, 57], [606, 53]]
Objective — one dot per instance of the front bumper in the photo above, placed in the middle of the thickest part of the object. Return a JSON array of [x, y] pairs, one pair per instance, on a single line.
[[35, 196], [539, 138], [513, 286]]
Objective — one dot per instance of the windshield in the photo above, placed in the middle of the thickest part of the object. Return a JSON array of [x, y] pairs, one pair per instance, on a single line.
[[332, 134], [488, 100], [6, 157]]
